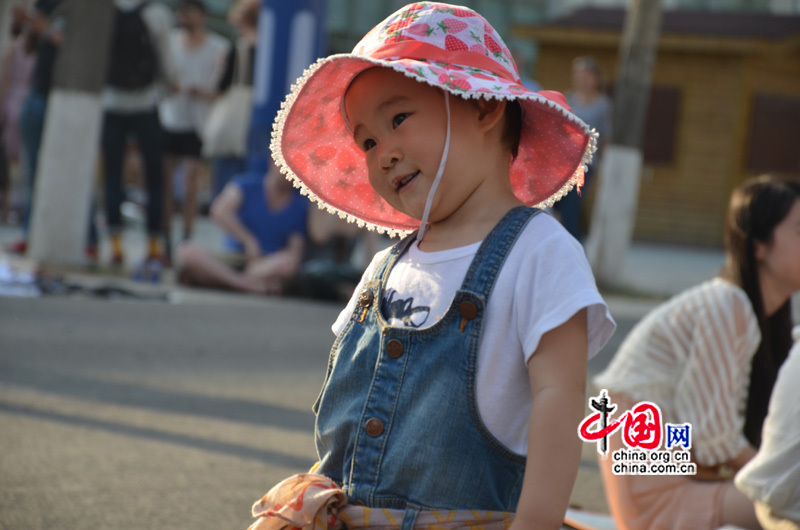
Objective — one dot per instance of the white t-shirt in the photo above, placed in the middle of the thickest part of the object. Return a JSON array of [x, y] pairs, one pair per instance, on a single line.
[[773, 475], [200, 68], [544, 281]]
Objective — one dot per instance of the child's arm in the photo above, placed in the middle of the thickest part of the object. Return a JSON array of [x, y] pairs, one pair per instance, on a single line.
[[557, 373]]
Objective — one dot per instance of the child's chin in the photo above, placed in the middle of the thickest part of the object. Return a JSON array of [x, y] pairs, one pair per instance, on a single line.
[[415, 213]]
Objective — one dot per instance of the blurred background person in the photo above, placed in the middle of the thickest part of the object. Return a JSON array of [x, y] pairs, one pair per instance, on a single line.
[[47, 33], [198, 56], [710, 357], [591, 104], [337, 254], [15, 73], [239, 68], [139, 72], [46, 24], [264, 218], [772, 478]]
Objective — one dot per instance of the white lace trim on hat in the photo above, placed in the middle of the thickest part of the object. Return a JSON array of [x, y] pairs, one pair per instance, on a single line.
[[286, 105]]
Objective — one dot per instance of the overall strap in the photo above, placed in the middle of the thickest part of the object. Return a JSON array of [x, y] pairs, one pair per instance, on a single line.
[[492, 254], [383, 268]]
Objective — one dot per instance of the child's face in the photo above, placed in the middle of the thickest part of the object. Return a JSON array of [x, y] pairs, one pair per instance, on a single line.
[[401, 126]]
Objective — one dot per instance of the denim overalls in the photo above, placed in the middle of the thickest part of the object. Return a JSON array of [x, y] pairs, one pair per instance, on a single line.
[[397, 420]]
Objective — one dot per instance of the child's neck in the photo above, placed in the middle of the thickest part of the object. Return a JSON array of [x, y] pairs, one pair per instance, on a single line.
[[468, 224]]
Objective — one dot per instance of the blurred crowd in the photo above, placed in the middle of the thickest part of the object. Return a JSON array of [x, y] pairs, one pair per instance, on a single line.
[[176, 108]]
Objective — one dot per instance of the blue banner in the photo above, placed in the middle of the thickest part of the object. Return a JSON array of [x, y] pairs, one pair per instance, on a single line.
[[291, 38]]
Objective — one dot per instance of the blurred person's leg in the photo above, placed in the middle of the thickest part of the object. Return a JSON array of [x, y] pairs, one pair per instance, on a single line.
[[5, 184], [268, 273], [91, 230], [198, 267], [151, 145], [191, 185], [737, 509], [31, 125], [115, 134], [170, 164]]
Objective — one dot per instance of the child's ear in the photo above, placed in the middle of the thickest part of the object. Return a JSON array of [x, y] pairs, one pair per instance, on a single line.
[[490, 112]]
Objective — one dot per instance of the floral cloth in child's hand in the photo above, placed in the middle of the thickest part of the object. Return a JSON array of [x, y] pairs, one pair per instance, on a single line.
[[306, 501], [313, 502]]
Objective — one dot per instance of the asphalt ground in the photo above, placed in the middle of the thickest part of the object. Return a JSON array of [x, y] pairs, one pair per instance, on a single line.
[[145, 406], [131, 413]]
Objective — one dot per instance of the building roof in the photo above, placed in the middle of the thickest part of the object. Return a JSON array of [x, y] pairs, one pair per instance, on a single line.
[[697, 23]]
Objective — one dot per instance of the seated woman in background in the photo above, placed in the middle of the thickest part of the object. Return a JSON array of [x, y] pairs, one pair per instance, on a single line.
[[772, 478], [710, 357]]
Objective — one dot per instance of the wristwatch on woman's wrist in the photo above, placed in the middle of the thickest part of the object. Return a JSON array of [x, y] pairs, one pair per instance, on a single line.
[[724, 471]]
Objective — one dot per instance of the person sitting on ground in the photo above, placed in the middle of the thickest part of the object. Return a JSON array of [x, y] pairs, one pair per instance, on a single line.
[[772, 478], [265, 221], [337, 253], [709, 357]]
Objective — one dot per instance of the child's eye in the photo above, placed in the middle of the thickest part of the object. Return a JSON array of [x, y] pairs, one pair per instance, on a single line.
[[368, 144], [400, 118]]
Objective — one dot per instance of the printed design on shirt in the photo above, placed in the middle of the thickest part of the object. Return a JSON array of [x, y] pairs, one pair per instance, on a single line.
[[402, 310]]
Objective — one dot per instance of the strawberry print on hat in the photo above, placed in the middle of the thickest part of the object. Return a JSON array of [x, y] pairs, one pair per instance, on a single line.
[[454, 44], [449, 47]]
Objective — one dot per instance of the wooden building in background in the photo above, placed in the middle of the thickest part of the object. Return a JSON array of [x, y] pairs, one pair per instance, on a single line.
[[724, 106]]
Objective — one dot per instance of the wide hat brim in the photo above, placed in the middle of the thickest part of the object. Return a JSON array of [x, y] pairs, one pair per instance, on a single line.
[[314, 147]]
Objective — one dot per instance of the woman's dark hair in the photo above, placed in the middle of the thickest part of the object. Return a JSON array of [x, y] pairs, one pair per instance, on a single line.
[[755, 209]]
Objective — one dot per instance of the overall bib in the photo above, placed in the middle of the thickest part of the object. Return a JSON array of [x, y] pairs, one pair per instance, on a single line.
[[397, 419]]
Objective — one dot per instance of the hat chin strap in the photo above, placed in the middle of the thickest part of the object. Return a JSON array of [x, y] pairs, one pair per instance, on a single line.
[[423, 227]]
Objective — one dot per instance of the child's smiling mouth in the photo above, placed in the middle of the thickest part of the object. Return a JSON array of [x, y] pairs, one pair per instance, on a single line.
[[399, 182]]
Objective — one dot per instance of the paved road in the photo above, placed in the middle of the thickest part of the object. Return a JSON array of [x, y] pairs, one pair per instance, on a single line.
[[131, 414], [151, 415]]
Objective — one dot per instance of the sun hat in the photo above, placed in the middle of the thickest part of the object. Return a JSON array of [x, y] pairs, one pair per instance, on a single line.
[[446, 46]]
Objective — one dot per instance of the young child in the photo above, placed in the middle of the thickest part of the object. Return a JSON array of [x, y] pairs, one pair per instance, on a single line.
[[457, 378]]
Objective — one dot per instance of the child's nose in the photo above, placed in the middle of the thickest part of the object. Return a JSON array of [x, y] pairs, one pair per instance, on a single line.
[[390, 156]]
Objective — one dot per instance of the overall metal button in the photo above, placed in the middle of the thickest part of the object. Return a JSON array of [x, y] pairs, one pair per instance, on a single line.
[[468, 310], [366, 297], [394, 348], [374, 427]]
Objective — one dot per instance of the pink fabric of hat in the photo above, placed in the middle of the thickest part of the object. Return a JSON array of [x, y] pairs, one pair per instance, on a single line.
[[446, 46]]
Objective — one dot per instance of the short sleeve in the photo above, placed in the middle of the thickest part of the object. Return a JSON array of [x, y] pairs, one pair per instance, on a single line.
[[555, 281]]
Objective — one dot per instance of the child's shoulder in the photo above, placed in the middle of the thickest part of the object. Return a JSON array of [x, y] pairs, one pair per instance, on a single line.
[[546, 254], [545, 233]]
